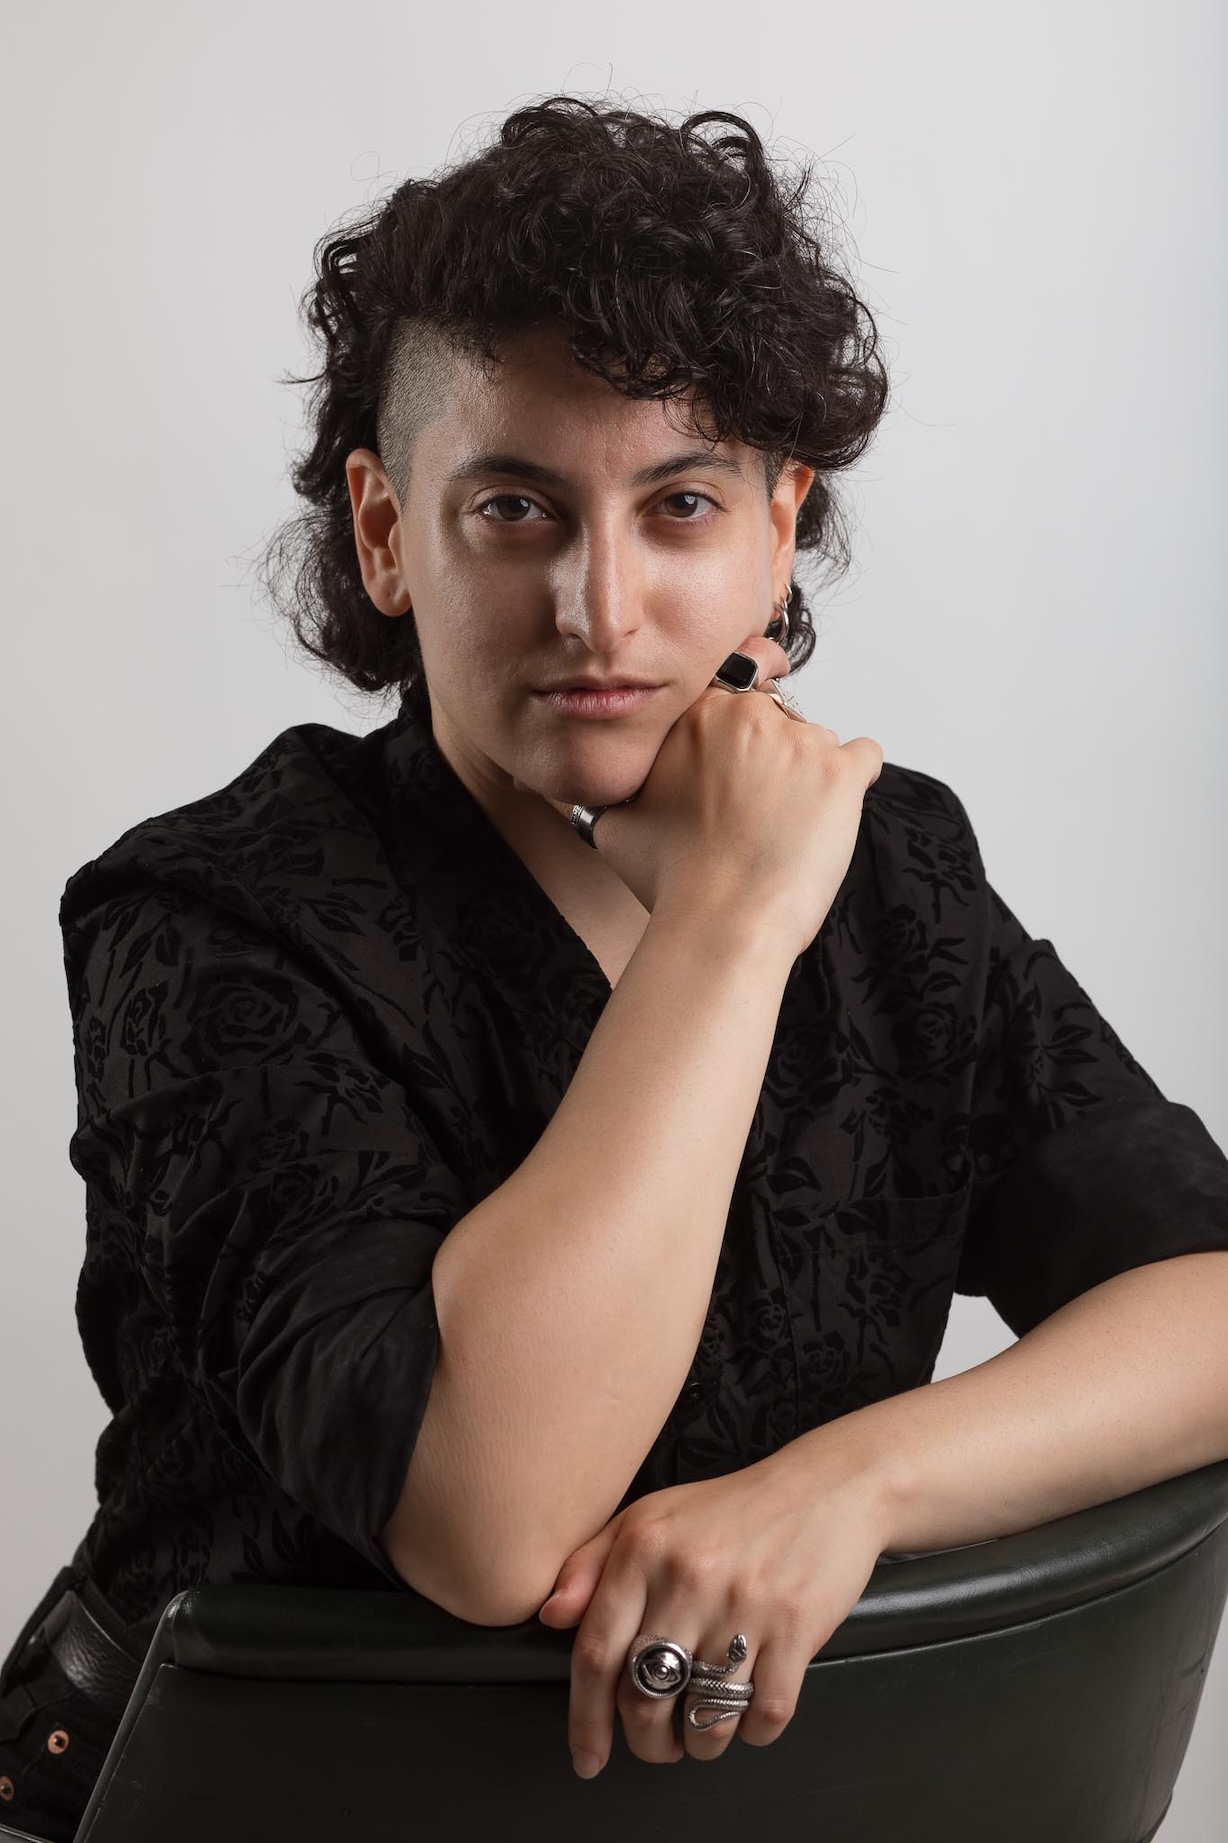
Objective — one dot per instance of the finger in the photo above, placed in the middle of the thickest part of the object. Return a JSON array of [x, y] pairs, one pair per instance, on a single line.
[[649, 1722], [779, 1677], [868, 752], [704, 1742], [577, 1579], [771, 658], [600, 1681], [774, 689], [781, 664]]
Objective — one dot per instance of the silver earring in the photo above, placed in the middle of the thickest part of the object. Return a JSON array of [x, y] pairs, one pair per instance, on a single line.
[[780, 614]]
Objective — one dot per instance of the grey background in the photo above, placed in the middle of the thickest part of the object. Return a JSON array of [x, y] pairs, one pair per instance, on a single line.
[[1032, 200]]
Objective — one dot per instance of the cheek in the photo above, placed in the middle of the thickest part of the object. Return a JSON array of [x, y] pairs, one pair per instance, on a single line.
[[713, 617], [457, 647]]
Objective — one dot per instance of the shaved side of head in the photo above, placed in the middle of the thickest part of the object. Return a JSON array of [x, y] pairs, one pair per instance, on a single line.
[[418, 375]]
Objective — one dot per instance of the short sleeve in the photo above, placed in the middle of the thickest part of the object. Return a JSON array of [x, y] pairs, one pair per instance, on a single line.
[[1082, 1167], [279, 1197]]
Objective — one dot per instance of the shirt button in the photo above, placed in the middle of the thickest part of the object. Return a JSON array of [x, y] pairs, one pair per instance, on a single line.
[[6, 1788], [57, 1741]]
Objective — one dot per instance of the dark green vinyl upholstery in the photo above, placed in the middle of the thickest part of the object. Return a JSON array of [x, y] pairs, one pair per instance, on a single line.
[[1038, 1688]]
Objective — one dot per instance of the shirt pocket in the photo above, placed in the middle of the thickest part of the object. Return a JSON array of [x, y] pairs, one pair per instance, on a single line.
[[882, 1273]]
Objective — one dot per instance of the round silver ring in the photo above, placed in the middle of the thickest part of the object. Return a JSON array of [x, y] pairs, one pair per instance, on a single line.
[[659, 1666]]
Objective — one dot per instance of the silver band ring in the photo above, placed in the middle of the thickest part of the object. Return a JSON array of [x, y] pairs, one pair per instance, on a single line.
[[584, 818], [779, 695]]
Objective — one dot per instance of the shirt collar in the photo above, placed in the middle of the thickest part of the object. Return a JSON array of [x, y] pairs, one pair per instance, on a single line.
[[452, 859]]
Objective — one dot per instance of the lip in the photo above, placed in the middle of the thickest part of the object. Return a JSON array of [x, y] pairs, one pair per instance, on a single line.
[[604, 701], [602, 684]]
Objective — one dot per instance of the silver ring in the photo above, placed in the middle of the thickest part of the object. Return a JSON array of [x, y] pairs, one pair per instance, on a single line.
[[740, 672], [661, 1667], [584, 818], [779, 695], [781, 613]]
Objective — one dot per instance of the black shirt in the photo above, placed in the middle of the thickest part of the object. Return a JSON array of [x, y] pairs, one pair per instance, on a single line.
[[321, 1013]]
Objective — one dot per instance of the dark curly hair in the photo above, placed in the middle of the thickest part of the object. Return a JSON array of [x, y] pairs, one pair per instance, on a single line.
[[682, 266]]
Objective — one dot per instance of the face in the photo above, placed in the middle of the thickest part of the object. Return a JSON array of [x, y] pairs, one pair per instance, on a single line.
[[555, 530]]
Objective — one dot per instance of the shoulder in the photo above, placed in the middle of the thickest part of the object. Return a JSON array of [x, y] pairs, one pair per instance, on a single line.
[[231, 843], [916, 846], [904, 800]]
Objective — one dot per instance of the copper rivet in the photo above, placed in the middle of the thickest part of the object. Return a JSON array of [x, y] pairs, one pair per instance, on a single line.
[[6, 1788], [57, 1741]]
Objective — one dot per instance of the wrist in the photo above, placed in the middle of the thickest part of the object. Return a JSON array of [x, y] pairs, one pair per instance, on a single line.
[[843, 1455], [727, 928]]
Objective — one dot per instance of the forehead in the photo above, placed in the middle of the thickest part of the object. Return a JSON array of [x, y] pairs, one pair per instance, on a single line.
[[539, 403]]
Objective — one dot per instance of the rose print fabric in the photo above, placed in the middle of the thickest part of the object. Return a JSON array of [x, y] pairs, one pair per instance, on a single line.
[[322, 1012]]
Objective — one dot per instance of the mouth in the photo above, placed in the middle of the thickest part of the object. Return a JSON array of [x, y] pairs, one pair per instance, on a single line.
[[586, 700]]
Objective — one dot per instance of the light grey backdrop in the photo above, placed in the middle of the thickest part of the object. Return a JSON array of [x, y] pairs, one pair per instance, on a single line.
[[1033, 199]]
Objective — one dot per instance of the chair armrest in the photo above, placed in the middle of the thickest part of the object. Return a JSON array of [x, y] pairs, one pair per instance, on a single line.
[[345, 1634]]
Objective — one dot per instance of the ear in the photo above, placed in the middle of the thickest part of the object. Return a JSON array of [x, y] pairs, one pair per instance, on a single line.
[[792, 487]]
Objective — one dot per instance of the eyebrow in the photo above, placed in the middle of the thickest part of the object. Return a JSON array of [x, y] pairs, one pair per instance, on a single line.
[[497, 462]]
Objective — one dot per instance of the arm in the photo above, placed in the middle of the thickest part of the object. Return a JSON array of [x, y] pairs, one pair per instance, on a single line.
[[571, 1300], [1122, 1387]]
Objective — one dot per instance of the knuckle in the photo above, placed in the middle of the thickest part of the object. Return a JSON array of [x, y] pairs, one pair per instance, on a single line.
[[642, 1541], [689, 1571], [589, 1655], [794, 1611], [639, 1712], [774, 1707]]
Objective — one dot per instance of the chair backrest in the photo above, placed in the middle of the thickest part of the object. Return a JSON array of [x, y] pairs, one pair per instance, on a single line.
[[1042, 1684]]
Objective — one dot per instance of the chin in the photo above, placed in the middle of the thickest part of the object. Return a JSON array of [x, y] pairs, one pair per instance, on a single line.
[[584, 790], [591, 781]]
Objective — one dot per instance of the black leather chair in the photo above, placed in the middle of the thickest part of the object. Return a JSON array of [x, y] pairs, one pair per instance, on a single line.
[[1040, 1686]]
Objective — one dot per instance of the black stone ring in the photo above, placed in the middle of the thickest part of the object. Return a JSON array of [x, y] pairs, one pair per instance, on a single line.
[[737, 673]]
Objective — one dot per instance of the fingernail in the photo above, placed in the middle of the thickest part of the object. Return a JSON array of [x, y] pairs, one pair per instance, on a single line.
[[586, 1764]]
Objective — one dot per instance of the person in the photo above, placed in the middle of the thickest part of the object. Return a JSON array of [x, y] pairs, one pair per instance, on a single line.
[[534, 1145]]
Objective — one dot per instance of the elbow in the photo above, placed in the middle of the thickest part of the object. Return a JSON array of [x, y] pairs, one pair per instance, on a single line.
[[478, 1595]]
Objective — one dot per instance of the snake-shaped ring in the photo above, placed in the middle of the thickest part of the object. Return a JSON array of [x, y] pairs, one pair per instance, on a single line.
[[661, 1667]]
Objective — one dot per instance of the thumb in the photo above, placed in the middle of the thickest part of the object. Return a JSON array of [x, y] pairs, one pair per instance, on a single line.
[[577, 1579]]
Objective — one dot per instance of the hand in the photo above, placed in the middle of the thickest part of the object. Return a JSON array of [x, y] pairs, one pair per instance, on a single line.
[[776, 1551], [743, 810]]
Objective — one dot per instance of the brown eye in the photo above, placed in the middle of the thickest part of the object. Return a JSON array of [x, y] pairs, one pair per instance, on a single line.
[[698, 499], [504, 499]]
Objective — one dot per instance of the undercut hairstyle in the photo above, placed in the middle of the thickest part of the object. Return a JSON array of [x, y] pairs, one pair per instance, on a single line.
[[681, 264]]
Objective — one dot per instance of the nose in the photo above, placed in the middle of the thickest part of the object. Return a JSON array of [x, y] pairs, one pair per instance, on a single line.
[[599, 599]]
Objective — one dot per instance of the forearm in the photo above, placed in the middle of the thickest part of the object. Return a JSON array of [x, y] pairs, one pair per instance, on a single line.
[[571, 1300], [1124, 1386]]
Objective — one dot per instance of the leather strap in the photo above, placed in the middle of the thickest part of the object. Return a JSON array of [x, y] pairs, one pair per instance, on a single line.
[[87, 1654]]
